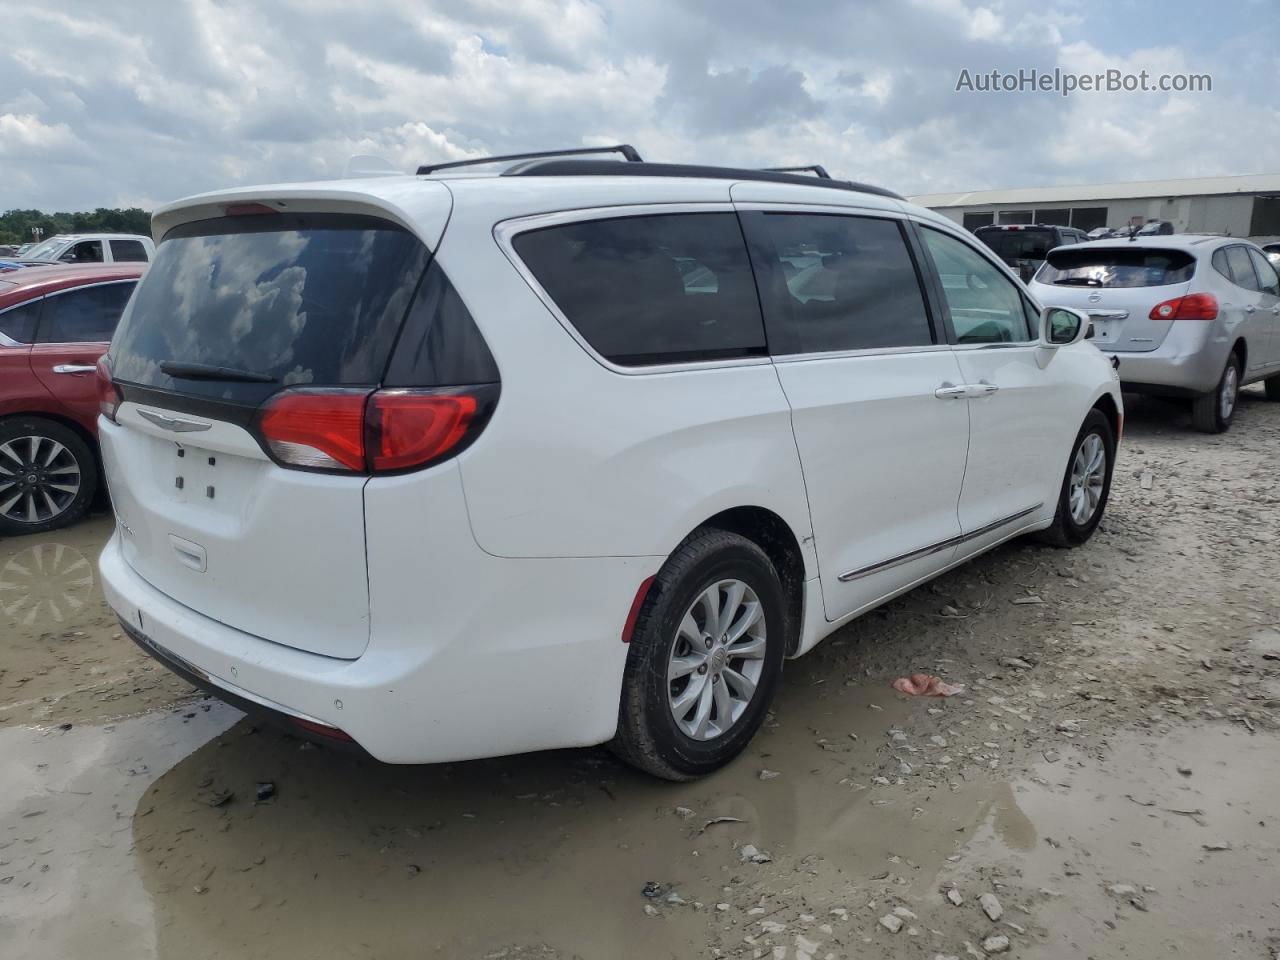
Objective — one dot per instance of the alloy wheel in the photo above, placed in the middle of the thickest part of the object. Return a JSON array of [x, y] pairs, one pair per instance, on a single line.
[[716, 660], [39, 479], [1229, 391], [1088, 476]]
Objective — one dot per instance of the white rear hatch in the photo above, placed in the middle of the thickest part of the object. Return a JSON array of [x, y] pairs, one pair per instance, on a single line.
[[234, 310], [1117, 286]]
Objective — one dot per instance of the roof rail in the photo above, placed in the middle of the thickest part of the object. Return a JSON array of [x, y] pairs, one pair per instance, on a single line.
[[609, 168], [628, 152], [815, 168]]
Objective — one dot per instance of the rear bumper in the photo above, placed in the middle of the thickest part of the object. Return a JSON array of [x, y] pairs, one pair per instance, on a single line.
[[1189, 362], [541, 671]]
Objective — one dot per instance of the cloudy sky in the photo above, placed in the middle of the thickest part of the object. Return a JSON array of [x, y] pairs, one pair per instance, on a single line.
[[137, 103]]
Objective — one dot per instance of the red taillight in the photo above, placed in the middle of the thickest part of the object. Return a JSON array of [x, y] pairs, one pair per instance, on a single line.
[[405, 428], [336, 429], [316, 428], [108, 392], [1194, 306]]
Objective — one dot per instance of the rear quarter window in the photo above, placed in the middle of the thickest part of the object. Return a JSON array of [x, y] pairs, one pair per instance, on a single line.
[[19, 323], [1116, 267], [645, 290]]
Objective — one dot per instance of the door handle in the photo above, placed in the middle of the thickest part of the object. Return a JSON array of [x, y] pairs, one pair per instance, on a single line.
[[949, 391], [74, 368], [982, 389]]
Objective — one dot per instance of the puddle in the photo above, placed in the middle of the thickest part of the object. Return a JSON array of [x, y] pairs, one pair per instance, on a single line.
[[114, 850], [1132, 819], [64, 655], [69, 879]]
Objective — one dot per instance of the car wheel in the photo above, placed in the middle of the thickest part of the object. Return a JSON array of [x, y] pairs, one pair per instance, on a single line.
[[1273, 388], [48, 476], [1212, 412], [1087, 484], [705, 656]]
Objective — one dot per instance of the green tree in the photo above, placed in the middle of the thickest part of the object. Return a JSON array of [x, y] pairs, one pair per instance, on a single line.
[[16, 225]]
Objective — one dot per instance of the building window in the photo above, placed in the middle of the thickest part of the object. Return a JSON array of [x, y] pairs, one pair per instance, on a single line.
[[1055, 217], [1016, 216], [972, 221], [1087, 218]]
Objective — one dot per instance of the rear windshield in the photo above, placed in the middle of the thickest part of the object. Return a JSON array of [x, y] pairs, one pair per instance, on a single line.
[[1020, 244], [1117, 267], [296, 298]]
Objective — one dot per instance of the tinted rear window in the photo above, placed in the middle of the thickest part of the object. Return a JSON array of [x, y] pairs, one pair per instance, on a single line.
[[19, 323], [1020, 244], [303, 298], [840, 283], [647, 290], [128, 251], [89, 315], [1117, 267]]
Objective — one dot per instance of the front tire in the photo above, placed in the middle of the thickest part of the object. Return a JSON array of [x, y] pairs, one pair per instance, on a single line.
[[705, 657], [48, 476], [1213, 412], [1086, 487]]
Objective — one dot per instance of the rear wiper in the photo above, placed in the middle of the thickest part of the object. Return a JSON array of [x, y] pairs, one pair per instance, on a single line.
[[207, 371], [1078, 282]]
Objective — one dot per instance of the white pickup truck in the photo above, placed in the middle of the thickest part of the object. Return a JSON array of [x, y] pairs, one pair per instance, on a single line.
[[92, 248]]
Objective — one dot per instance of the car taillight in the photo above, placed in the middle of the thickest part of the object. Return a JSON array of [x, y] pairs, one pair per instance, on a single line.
[[406, 428], [323, 429], [1194, 306], [363, 432], [108, 392]]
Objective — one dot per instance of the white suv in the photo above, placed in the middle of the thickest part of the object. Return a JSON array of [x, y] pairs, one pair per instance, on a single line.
[[91, 248], [459, 466]]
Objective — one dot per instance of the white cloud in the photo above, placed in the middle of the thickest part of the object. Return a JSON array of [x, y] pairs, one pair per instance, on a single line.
[[188, 95]]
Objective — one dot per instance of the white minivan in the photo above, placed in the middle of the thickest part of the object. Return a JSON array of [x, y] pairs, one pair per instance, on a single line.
[[457, 465]]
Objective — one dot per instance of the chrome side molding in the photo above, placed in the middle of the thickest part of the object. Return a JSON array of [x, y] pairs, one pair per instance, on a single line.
[[937, 547]]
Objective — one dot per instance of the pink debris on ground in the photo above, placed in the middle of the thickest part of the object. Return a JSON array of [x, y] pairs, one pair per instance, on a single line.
[[926, 685]]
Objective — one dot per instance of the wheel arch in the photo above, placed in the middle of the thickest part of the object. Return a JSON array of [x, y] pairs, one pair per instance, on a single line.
[[61, 420], [1241, 349], [1106, 404], [772, 534]]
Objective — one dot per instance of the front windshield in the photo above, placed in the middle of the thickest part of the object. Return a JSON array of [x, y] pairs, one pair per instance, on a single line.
[[45, 250]]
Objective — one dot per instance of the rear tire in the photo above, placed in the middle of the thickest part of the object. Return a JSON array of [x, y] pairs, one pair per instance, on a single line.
[[47, 486], [1086, 486], [1213, 412], [685, 708]]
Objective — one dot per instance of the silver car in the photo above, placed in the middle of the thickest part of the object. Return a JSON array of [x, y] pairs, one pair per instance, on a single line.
[[1186, 316]]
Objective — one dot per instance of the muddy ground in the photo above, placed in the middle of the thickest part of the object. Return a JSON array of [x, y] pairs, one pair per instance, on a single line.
[[1110, 776]]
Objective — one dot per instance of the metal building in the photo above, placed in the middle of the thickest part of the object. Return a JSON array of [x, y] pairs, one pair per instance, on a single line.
[[1245, 206]]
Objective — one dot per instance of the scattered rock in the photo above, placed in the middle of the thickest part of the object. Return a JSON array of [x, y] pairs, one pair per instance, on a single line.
[[769, 774], [997, 944], [1216, 845], [991, 906], [891, 923], [954, 896], [264, 791], [750, 854]]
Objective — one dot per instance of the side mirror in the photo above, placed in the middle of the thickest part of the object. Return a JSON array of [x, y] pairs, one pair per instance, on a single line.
[[1062, 326]]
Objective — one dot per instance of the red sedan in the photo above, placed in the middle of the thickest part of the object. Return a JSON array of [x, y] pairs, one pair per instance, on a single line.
[[55, 322]]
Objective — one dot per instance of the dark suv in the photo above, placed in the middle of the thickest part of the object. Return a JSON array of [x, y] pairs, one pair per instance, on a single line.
[[1023, 245]]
